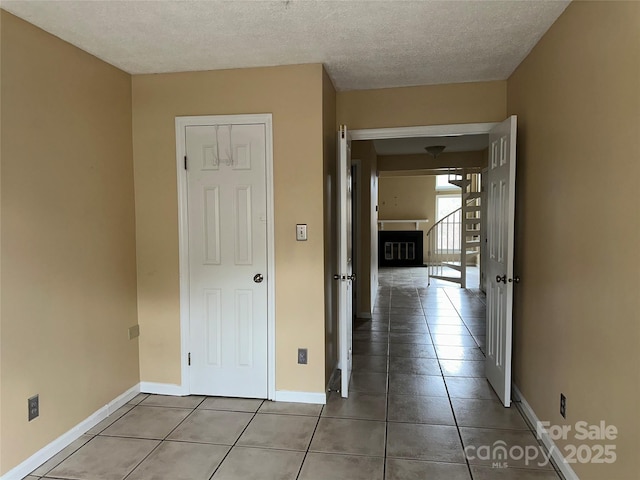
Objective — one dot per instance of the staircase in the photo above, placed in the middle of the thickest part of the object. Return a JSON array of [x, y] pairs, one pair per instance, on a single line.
[[454, 241]]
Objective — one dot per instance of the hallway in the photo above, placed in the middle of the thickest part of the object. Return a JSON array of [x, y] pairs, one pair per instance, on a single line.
[[431, 341], [418, 396]]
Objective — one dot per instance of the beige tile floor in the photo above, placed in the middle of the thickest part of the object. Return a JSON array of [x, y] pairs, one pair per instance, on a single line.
[[418, 397]]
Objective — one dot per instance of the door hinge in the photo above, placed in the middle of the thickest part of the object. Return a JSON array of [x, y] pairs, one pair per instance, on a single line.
[[189, 359], [185, 162]]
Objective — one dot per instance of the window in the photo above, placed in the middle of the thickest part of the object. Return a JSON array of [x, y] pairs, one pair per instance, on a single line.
[[448, 236], [442, 183], [445, 204]]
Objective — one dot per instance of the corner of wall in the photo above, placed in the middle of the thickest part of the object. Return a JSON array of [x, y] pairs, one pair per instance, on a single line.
[[69, 239], [329, 129]]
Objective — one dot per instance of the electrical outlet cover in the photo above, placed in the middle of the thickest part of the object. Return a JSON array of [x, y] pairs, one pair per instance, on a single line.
[[302, 356], [134, 332], [34, 407]]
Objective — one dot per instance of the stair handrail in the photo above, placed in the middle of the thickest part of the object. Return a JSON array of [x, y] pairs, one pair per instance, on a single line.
[[442, 220], [431, 241]]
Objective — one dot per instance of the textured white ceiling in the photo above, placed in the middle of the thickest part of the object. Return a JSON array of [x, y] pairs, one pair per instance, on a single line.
[[363, 43]]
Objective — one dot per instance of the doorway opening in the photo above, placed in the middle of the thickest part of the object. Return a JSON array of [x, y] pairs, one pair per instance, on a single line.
[[409, 183], [497, 238]]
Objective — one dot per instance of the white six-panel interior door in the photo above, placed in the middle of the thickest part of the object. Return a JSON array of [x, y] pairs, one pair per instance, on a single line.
[[500, 245], [227, 257]]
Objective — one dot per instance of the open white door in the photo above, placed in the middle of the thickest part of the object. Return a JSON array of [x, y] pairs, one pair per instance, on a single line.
[[501, 183], [344, 274]]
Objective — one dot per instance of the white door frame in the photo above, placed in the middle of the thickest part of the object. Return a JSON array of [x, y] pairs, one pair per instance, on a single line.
[[183, 237], [345, 261], [422, 131], [357, 234]]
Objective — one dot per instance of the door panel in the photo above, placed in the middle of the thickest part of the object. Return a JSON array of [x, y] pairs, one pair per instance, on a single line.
[[500, 235], [243, 220], [212, 225], [345, 263], [226, 194], [213, 314]]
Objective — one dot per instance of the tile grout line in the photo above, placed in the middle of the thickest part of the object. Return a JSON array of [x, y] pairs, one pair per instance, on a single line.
[[306, 453], [529, 427], [238, 438], [161, 440], [93, 436], [465, 323], [388, 387], [453, 413], [64, 459], [552, 462]]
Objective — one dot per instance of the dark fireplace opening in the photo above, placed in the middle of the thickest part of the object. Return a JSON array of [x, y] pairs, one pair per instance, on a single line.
[[402, 248]]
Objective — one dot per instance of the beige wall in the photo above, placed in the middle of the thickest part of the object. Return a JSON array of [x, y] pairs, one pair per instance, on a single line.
[[2, 468], [417, 106], [416, 162], [294, 95], [68, 237], [425, 105], [329, 129], [408, 198], [576, 327], [367, 268]]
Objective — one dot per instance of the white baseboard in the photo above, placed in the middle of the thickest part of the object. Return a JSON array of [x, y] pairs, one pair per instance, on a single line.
[[45, 453], [281, 395], [546, 440], [364, 315], [163, 389], [374, 291], [301, 397]]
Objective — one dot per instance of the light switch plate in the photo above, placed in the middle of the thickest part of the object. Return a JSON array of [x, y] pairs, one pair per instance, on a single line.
[[301, 232]]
